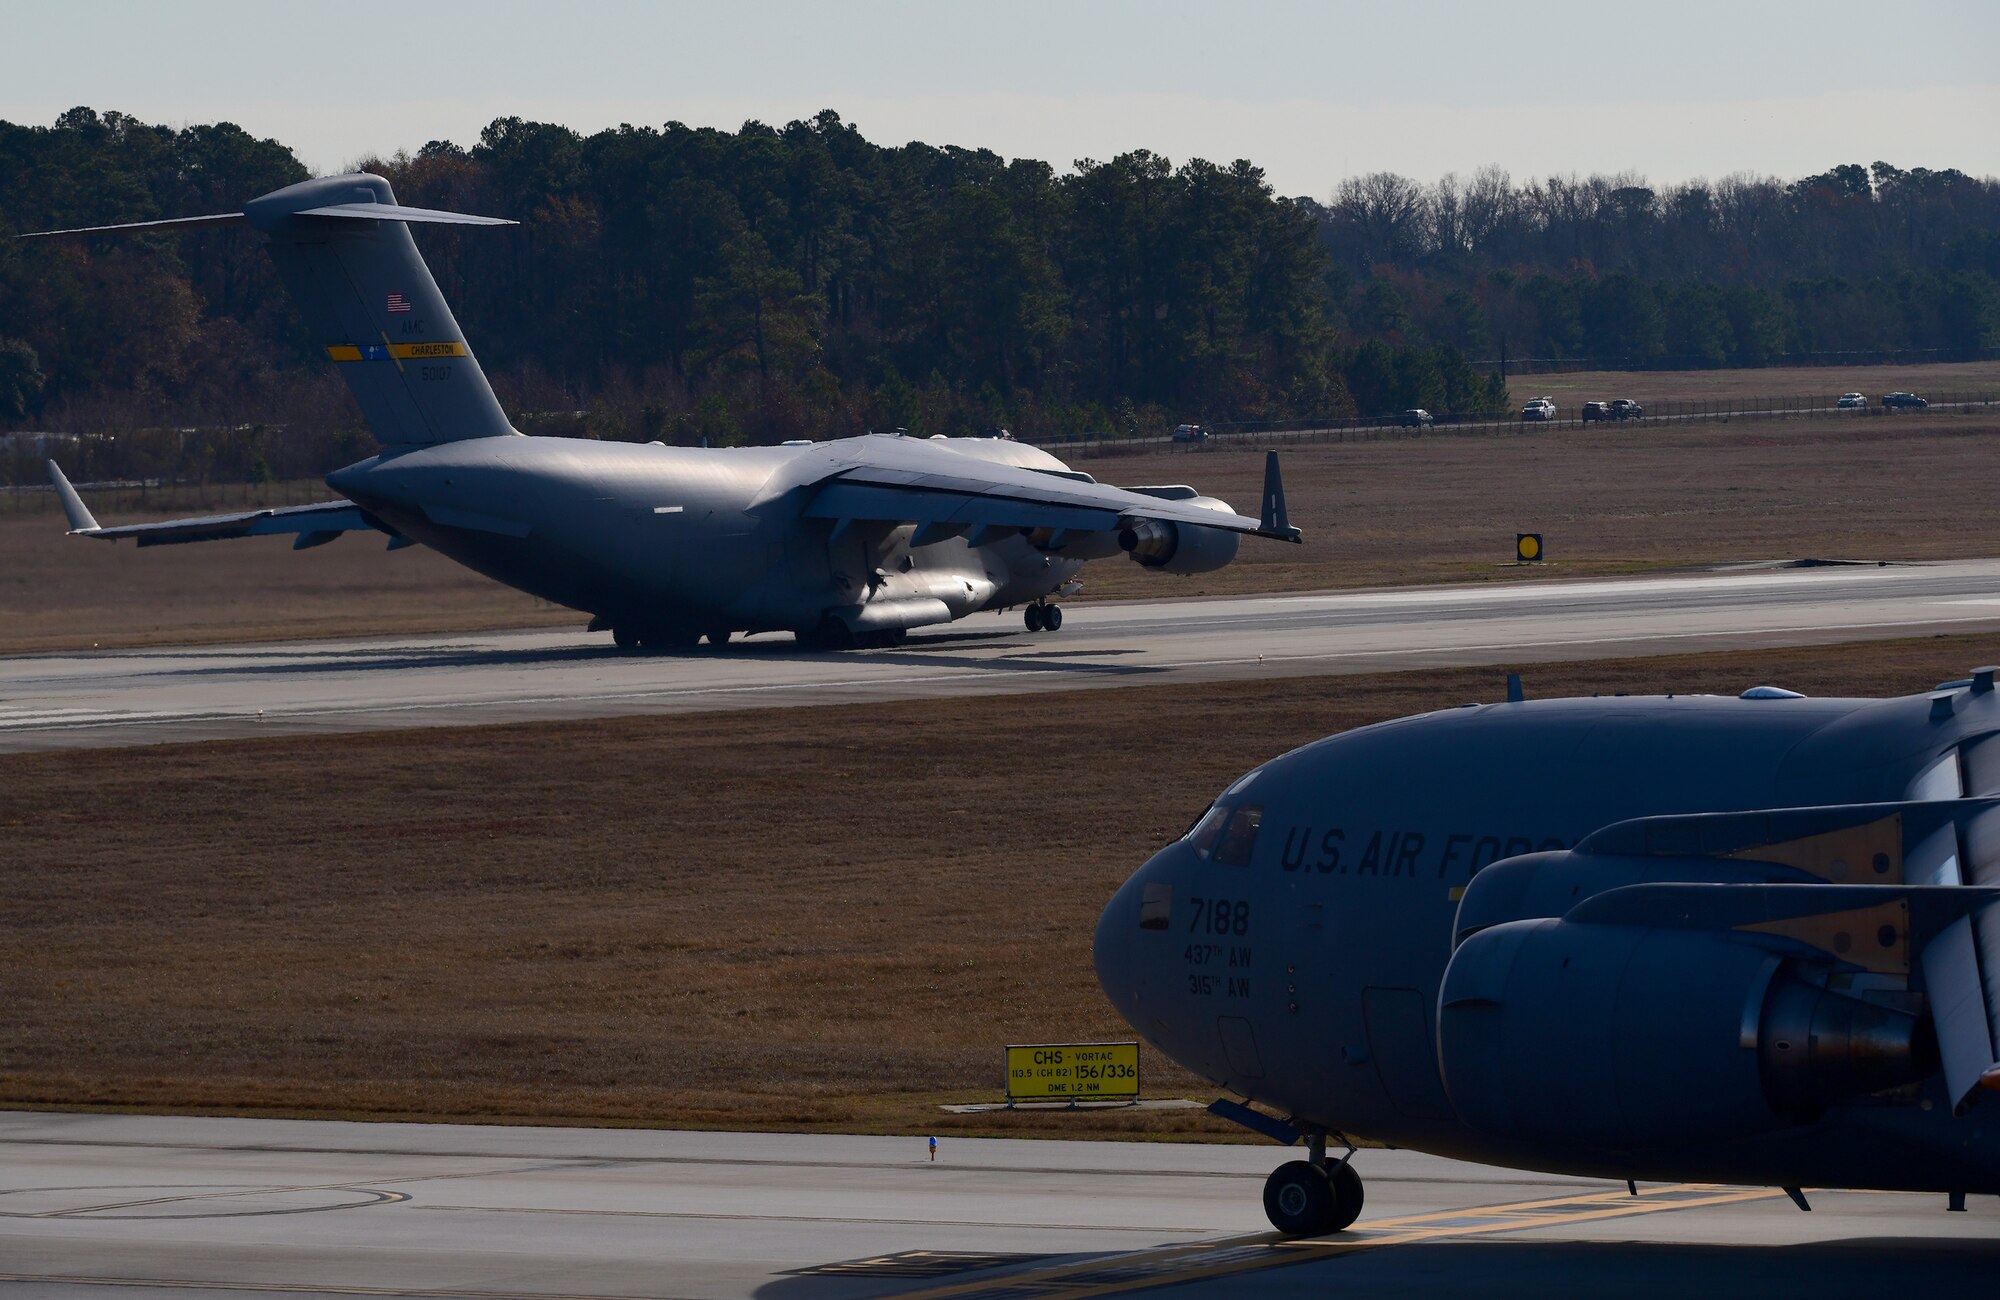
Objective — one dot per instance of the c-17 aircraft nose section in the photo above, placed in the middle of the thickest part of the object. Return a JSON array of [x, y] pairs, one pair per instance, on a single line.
[[1173, 948], [1134, 951], [1144, 900], [1737, 940]]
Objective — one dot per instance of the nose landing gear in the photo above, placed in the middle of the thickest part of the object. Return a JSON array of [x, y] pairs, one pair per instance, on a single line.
[[1043, 617], [1307, 1198]]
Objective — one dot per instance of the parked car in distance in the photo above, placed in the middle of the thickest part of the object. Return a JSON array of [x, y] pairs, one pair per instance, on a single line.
[[1539, 409], [1848, 401], [1623, 408], [1415, 418], [1905, 401], [1190, 433]]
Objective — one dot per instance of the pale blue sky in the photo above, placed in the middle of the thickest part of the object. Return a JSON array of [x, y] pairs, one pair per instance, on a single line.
[[1311, 92]]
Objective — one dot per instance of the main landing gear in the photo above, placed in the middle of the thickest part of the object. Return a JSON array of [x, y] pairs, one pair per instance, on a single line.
[[1306, 1198], [1043, 617], [652, 639], [670, 640]]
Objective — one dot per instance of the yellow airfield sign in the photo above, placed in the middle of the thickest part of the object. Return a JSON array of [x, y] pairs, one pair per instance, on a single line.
[[1072, 1071]]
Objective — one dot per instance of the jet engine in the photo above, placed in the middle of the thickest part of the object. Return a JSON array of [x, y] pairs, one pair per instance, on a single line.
[[1623, 1037], [1179, 548]]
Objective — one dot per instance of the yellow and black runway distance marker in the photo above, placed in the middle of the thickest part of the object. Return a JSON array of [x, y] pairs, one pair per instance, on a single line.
[[1254, 1252], [1528, 548]]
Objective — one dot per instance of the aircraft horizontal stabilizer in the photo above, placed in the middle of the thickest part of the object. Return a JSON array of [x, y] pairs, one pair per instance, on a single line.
[[397, 212], [349, 211]]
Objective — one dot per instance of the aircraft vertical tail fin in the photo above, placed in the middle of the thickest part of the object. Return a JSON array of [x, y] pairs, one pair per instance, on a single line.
[[343, 248], [342, 245], [1273, 519]]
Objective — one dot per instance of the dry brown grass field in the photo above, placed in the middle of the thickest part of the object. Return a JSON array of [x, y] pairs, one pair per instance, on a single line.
[[811, 918], [1570, 388], [1613, 499]]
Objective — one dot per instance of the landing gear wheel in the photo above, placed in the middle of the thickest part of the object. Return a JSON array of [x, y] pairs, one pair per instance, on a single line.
[[1298, 1199], [1347, 1196], [831, 634], [1051, 618], [624, 638], [1032, 616]]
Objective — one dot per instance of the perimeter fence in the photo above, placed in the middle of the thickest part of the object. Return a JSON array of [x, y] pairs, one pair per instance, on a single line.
[[27, 496], [1381, 428]]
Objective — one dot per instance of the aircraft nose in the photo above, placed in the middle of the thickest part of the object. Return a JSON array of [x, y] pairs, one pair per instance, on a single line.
[[1112, 952], [1129, 949]]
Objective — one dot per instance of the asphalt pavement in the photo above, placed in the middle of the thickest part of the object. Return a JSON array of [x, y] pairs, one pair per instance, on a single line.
[[126, 697], [109, 1205]]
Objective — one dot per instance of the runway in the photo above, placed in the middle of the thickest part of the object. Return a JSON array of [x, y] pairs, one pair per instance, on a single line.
[[124, 1205], [130, 697]]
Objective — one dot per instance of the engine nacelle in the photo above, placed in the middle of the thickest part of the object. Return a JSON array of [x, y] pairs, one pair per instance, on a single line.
[[1614, 1037], [1174, 547]]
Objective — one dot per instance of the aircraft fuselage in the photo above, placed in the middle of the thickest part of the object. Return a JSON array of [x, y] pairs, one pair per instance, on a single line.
[[692, 539]]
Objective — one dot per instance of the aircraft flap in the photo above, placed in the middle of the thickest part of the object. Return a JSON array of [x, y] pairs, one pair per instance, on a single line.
[[1962, 1013], [844, 500]]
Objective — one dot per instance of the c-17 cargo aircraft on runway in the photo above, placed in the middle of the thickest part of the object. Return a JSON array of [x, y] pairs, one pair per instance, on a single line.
[[1749, 940], [851, 541]]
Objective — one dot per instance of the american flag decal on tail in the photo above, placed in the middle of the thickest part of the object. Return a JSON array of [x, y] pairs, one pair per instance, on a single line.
[[398, 303]]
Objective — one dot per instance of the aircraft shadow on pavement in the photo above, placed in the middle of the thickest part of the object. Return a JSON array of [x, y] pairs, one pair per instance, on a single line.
[[1492, 1268], [295, 662], [918, 652]]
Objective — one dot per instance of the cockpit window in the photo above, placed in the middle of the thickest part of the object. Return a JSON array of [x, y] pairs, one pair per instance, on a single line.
[[1203, 834], [1227, 835], [1240, 838]]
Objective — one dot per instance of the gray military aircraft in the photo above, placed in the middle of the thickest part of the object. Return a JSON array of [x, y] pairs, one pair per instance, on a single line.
[[851, 541], [1690, 938]]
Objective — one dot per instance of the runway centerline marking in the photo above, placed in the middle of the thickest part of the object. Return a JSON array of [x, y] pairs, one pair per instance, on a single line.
[[1181, 1263], [721, 1217]]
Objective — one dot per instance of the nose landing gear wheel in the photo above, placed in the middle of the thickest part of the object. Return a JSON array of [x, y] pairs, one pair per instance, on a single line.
[[1032, 616], [624, 638], [1305, 1200], [1051, 618], [1298, 1199]]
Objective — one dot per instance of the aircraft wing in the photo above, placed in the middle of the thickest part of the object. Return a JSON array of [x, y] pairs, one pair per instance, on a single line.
[[314, 524], [1005, 496]]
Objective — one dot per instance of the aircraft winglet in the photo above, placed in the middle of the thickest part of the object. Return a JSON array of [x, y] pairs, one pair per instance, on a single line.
[[80, 519], [1273, 522]]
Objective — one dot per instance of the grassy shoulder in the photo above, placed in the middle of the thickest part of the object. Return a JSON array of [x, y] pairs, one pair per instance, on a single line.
[[824, 918]]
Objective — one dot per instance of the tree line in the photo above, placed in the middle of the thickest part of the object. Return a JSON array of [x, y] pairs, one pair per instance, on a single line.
[[1736, 272], [682, 284]]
